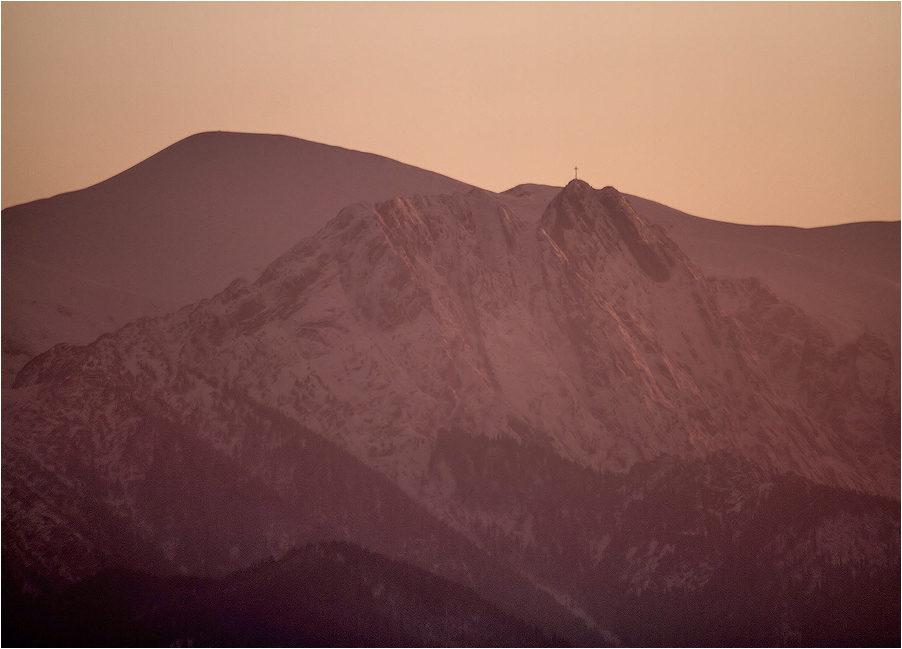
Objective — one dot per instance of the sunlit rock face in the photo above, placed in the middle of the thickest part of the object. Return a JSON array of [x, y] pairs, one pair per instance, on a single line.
[[433, 379]]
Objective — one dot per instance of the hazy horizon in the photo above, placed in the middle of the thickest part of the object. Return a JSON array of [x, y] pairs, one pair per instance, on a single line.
[[743, 112]]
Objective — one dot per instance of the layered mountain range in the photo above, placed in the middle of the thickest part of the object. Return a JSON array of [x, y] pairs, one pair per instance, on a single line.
[[181, 225], [537, 395]]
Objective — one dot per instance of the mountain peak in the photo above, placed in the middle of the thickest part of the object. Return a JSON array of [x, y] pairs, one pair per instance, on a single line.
[[607, 194], [592, 224], [596, 200], [578, 185]]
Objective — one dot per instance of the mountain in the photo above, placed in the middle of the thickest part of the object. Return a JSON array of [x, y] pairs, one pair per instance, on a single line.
[[567, 416], [845, 276], [233, 200], [176, 228], [183, 224]]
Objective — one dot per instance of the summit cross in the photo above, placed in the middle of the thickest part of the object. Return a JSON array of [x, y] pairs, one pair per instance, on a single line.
[[576, 173]]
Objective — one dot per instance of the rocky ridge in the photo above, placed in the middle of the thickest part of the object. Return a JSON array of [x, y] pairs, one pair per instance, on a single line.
[[414, 326]]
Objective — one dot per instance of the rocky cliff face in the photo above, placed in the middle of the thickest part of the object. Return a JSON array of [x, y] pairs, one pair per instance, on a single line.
[[429, 369]]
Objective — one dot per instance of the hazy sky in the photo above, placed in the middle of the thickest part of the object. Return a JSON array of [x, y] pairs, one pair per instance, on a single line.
[[745, 112]]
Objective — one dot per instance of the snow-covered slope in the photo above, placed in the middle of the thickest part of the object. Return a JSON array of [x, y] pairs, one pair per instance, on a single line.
[[846, 276], [593, 333], [436, 354], [43, 306], [179, 226], [176, 228]]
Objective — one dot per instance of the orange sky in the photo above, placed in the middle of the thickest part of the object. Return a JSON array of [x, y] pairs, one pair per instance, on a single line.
[[746, 112]]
